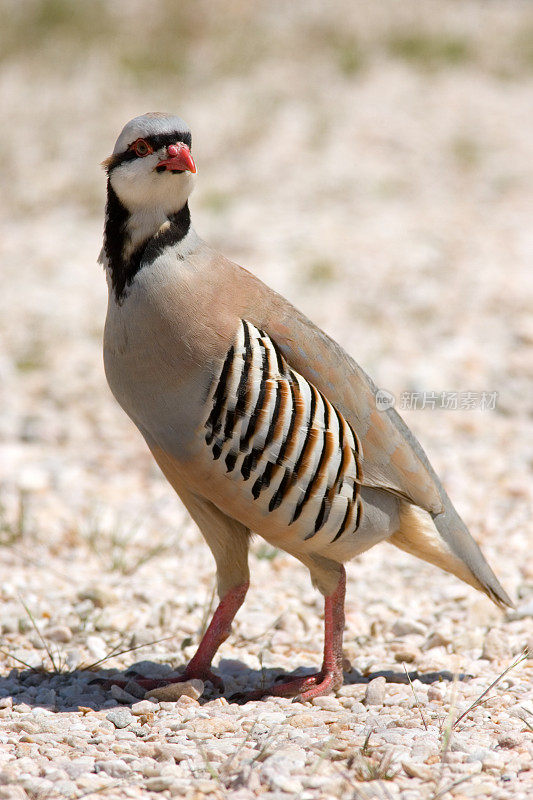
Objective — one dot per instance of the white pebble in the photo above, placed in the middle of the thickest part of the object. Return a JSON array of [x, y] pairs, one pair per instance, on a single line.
[[375, 692], [173, 691]]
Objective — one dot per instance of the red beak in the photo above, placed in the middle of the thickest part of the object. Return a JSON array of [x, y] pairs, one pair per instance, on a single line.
[[179, 160]]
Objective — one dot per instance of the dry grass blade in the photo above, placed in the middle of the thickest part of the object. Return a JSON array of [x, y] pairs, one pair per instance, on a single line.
[[18, 660], [10, 533], [116, 652], [40, 563], [325, 751], [366, 769], [446, 735], [414, 693], [100, 790], [266, 747], [365, 748], [524, 720], [483, 696], [227, 766], [210, 769], [458, 782], [49, 653], [244, 641]]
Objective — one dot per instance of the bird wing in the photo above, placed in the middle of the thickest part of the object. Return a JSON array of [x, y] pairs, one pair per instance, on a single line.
[[392, 459]]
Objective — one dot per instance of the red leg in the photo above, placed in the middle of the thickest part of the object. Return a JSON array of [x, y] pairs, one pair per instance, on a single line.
[[330, 676], [218, 631]]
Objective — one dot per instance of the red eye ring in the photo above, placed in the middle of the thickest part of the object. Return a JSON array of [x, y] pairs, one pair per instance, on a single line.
[[141, 148]]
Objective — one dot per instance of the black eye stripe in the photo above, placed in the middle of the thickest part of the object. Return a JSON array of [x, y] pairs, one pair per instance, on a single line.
[[156, 142], [164, 139]]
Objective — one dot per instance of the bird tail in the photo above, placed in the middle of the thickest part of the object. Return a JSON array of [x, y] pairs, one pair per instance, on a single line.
[[444, 540]]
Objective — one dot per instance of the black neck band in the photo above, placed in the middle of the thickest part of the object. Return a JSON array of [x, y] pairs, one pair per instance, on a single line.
[[124, 270]]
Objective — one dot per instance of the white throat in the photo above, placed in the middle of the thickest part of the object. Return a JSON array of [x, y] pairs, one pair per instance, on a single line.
[[149, 197], [142, 225]]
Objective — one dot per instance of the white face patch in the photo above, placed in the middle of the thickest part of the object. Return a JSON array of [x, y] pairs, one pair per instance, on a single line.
[[140, 187], [150, 196]]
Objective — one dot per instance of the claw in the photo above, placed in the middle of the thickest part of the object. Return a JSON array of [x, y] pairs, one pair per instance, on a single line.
[[302, 688], [215, 680]]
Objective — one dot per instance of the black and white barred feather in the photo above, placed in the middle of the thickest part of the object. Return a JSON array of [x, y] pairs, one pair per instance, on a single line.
[[293, 451]]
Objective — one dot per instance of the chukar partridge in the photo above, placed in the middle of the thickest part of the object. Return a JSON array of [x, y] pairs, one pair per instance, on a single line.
[[259, 421]]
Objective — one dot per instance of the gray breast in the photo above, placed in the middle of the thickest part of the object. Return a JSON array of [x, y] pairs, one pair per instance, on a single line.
[[150, 374]]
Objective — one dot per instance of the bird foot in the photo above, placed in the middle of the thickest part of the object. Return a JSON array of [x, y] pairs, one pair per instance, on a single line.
[[302, 688], [155, 683]]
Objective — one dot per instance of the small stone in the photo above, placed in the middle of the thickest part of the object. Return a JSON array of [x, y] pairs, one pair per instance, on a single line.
[[355, 706], [495, 645], [121, 695], [77, 767], [99, 596], [522, 611], [58, 633], [415, 770], [142, 637], [150, 669], [143, 707], [186, 701], [73, 658], [22, 708], [159, 783], [375, 692], [135, 689], [173, 752], [302, 721], [478, 754], [96, 647], [434, 693], [328, 703], [520, 712], [26, 725], [114, 767], [277, 770], [271, 717], [407, 654], [120, 718], [405, 626], [173, 691], [350, 690], [6, 702], [509, 740], [439, 638], [218, 702], [213, 726], [32, 479], [46, 697], [12, 793]]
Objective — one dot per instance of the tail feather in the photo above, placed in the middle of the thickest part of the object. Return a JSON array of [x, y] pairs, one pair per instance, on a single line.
[[444, 540]]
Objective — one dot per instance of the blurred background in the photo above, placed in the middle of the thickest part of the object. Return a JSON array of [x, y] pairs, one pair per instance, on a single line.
[[371, 161]]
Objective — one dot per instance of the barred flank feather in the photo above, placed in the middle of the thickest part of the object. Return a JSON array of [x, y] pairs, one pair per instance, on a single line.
[[274, 431]]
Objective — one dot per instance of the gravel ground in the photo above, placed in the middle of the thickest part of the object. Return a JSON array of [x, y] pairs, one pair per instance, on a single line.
[[385, 185]]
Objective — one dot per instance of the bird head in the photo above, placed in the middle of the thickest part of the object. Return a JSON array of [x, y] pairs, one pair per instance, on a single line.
[[151, 165]]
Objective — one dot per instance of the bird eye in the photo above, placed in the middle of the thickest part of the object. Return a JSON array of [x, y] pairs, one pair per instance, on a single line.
[[141, 148]]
